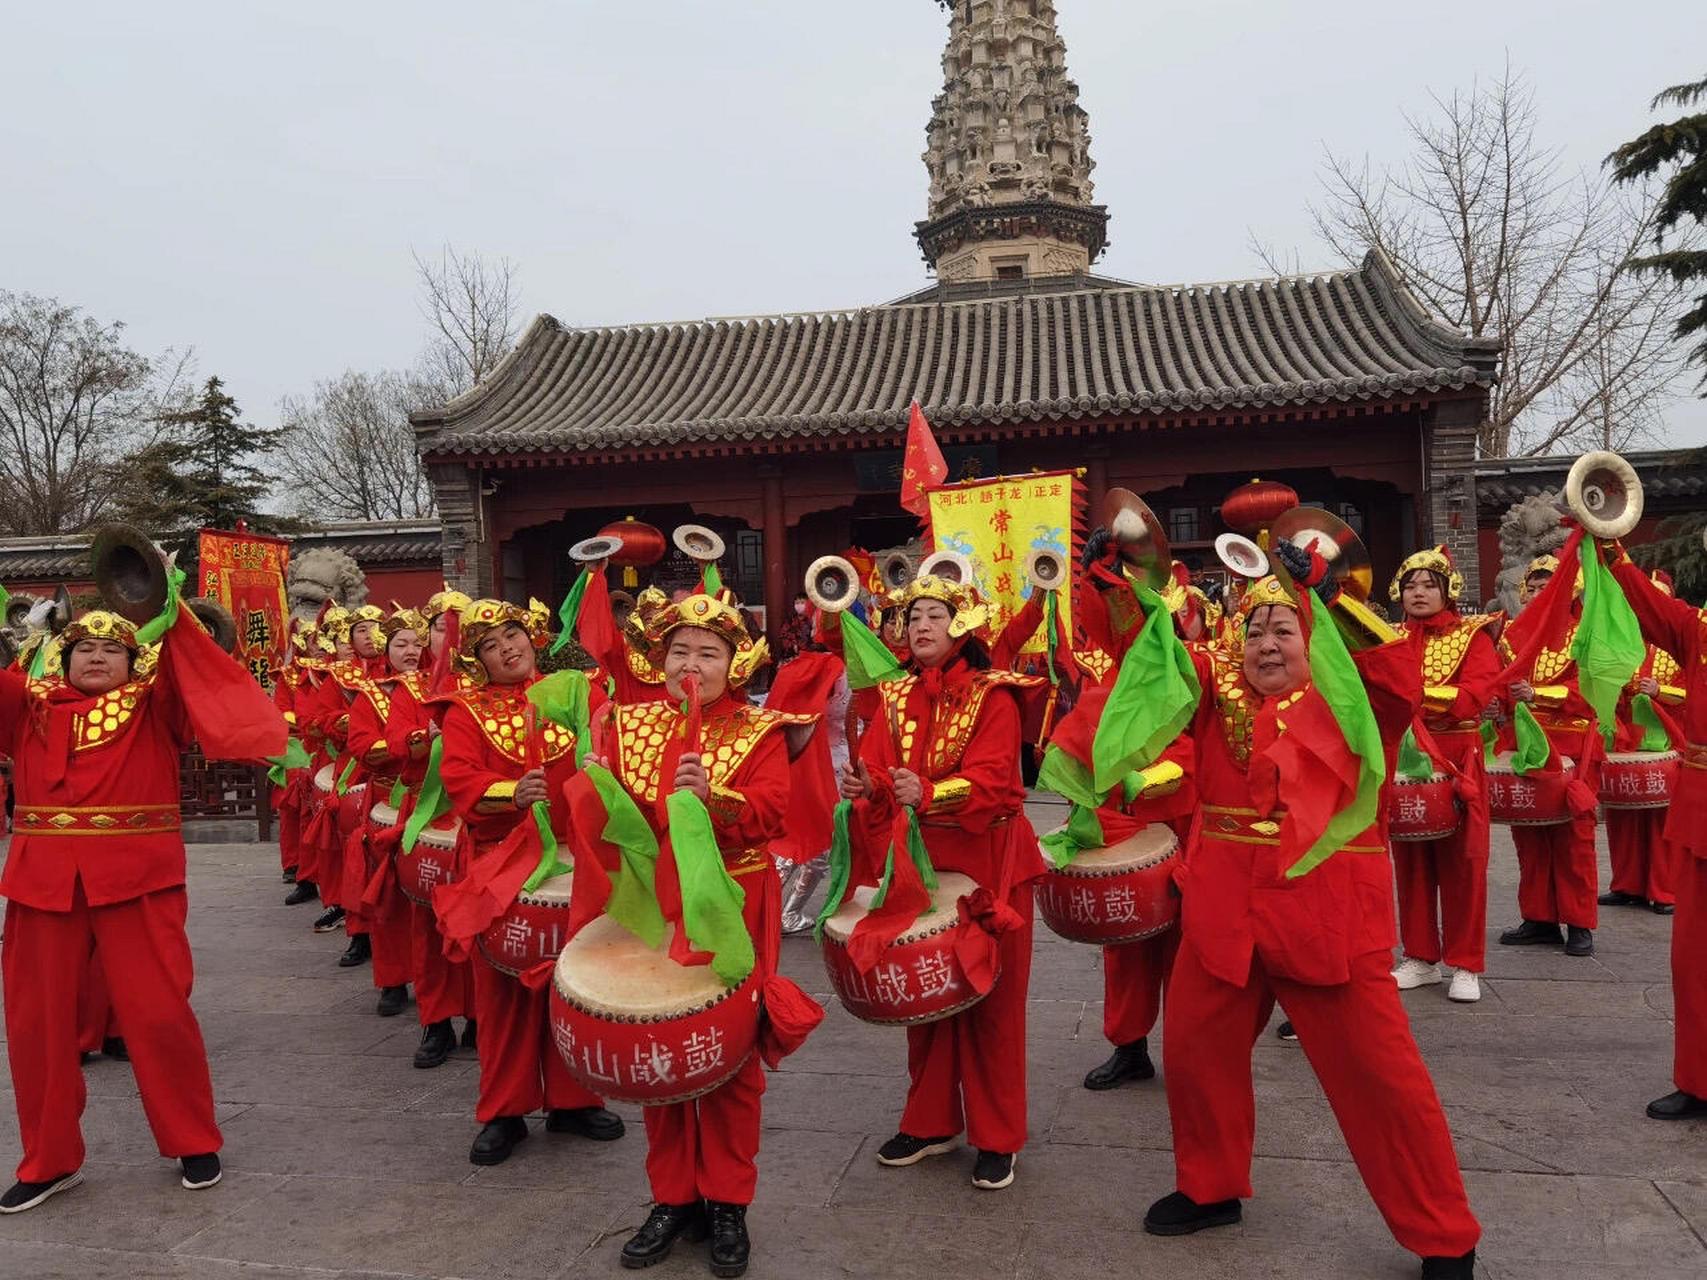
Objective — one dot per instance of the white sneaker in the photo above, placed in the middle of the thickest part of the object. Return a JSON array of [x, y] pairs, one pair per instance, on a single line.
[[1466, 987], [1415, 973]]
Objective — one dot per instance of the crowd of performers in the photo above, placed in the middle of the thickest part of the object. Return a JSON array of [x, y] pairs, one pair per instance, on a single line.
[[435, 788]]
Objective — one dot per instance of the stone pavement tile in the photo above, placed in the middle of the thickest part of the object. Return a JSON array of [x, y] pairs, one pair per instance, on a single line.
[[1592, 1042], [77, 1262], [1582, 1222], [337, 1224], [862, 1104], [381, 1146], [1134, 1115], [269, 1077], [1548, 964], [1504, 1269], [222, 992], [276, 956], [1689, 1199], [1628, 1145], [844, 1043], [452, 1089], [115, 1130], [138, 1207], [1120, 1250], [257, 1030], [1573, 999]]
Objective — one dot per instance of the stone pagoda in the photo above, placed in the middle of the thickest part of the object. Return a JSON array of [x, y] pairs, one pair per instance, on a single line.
[[1008, 151]]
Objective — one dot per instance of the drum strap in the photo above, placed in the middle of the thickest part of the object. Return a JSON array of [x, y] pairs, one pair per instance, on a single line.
[[1694, 756]]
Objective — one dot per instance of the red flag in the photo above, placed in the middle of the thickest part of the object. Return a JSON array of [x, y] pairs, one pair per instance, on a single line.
[[923, 467]]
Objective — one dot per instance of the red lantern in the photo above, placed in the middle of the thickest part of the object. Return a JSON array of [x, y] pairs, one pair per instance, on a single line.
[[1252, 507], [642, 547]]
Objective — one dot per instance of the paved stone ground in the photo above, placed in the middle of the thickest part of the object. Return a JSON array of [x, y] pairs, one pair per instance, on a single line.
[[342, 1160]]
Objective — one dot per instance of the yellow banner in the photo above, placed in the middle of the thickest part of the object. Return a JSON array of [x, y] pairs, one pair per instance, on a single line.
[[998, 523]]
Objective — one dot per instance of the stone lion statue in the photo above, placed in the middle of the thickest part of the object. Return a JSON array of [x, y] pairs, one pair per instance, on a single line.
[[320, 574], [1528, 529]]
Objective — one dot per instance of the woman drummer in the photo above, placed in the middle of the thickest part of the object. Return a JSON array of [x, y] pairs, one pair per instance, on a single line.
[[491, 788], [947, 745]]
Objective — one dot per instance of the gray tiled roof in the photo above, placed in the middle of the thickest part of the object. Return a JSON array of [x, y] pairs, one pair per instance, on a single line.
[[1345, 336], [1674, 475], [371, 543]]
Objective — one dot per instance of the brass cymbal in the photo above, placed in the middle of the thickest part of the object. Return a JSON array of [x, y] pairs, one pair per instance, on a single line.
[[1137, 532], [1312, 529]]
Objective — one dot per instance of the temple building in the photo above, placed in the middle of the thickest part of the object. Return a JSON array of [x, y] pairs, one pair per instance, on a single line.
[[785, 432]]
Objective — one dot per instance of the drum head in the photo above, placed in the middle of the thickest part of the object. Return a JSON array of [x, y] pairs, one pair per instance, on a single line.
[[554, 891], [951, 887], [607, 970], [1143, 848], [437, 837], [383, 815], [325, 780]]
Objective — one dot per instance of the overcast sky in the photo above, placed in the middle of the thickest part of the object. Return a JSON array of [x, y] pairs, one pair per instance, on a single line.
[[249, 178]]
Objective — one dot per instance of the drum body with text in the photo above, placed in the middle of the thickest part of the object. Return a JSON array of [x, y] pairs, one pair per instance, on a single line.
[[1638, 779], [352, 810], [325, 785], [1422, 808], [1116, 894], [918, 978], [533, 929], [430, 863], [634, 1025], [1534, 799]]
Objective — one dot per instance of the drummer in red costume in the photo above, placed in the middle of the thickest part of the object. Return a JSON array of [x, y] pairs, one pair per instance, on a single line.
[[492, 790], [97, 864], [315, 649], [947, 744], [1443, 884], [323, 716], [1643, 860], [701, 1155], [385, 763], [1320, 945], [1557, 873], [352, 677], [287, 800], [1681, 629]]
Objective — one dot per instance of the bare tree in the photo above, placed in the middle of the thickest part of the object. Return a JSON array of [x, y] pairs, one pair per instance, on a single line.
[[348, 452], [74, 400], [1491, 231], [470, 304]]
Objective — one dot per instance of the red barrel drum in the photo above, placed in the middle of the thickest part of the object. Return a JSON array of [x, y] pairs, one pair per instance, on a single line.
[[1638, 779], [534, 928], [918, 978], [1422, 808], [430, 863], [1534, 799], [1115, 894]]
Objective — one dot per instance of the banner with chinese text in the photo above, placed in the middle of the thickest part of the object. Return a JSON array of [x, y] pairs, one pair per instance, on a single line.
[[245, 572], [998, 523]]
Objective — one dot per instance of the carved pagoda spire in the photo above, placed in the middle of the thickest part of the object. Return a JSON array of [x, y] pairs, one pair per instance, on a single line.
[[1008, 150]]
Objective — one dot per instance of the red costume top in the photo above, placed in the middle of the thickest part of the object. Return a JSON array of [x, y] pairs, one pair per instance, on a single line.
[[486, 752], [1237, 900], [1559, 706], [370, 740], [1460, 670], [97, 777]]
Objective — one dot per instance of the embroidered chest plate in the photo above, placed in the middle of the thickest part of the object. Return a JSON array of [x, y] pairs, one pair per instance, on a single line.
[[644, 730], [1443, 651], [502, 717], [950, 731], [1666, 668], [1236, 707], [107, 717], [1550, 664]]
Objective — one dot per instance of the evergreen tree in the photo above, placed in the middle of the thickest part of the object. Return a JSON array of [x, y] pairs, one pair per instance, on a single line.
[[1679, 146]]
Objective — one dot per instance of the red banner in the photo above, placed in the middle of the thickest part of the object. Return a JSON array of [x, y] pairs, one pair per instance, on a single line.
[[245, 572]]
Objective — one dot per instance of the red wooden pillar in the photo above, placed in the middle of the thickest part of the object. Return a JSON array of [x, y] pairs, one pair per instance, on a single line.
[[1096, 483], [777, 594]]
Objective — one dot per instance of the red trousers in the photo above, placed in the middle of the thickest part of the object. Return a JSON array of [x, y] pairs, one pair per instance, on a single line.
[[443, 988], [350, 864], [290, 836], [1642, 860], [708, 1148], [520, 1068], [968, 1071], [1689, 974], [95, 1018], [1443, 895], [1133, 977], [45, 964], [389, 932], [1359, 1043], [1557, 877]]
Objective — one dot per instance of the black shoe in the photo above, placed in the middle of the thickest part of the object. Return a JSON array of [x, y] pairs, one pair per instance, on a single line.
[[360, 951], [329, 919], [1618, 898], [657, 1235], [1662, 908], [27, 1195], [113, 1047], [1177, 1214], [1127, 1062], [588, 1122], [1677, 1106], [904, 1149], [1579, 942], [469, 1039], [1450, 1268], [290, 875], [1285, 1031], [493, 1144], [392, 1001], [200, 1172], [437, 1041], [1532, 933], [993, 1171], [304, 892], [730, 1247]]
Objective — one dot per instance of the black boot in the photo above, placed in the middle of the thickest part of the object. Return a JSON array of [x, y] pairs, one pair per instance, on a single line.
[[588, 1122], [494, 1143], [730, 1247], [658, 1234], [1463, 1268], [436, 1043], [113, 1047], [1579, 942], [360, 951], [1662, 908], [304, 892], [392, 1001], [470, 1040], [290, 875], [1127, 1062], [1677, 1106], [1618, 898], [1177, 1214], [1532, 933]]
